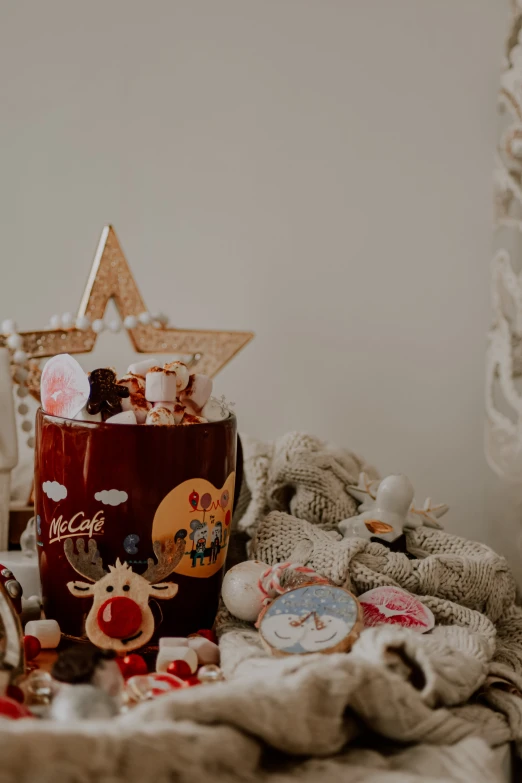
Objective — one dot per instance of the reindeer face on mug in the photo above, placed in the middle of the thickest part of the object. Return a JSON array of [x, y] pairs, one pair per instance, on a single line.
[[120, 617]]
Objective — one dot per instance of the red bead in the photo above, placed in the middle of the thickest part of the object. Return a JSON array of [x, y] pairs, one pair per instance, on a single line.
[[179, 669], [9, 708], [119, 617], [32, 647], [16, 693], [131, 665], [208, 634]]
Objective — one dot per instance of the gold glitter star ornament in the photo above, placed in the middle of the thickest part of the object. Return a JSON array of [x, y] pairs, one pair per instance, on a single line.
[[111, 278]]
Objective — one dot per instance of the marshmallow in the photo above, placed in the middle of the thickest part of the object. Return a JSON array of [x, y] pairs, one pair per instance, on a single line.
[[142, 368], [137, 403], [207, 651], [191, 418], [160, 416], [182, 373], [125, 417], [168, 654], [134, 383], [179, 412], [160, 385], [172, 641], [46, 631], [198, 391], [84, 416], [213, 410]]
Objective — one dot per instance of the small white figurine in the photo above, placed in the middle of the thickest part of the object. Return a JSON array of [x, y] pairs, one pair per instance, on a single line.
[[388, 504]]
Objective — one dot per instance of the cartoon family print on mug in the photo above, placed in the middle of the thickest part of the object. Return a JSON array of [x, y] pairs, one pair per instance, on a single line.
[[190, 536]]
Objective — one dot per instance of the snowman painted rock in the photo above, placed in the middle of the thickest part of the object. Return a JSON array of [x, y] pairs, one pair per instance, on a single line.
[[388, 514], [309, 619]]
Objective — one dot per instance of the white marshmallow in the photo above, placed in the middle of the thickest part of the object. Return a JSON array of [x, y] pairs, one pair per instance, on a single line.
[[198, 391], [192, 418], [160, 385], [138, 404], [134, 383], [182, 373], [240, 591], [84, 416], [168, 654], [172, 641], [46, 631], [207, 651], [125, 417], [160, 416], [213, 410], [141, 368]]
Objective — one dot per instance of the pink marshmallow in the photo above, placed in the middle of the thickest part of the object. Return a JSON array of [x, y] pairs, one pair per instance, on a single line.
[[160, 385], [198, 391]]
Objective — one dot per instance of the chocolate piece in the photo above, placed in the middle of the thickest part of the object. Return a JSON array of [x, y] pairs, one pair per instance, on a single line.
[[105, 395]]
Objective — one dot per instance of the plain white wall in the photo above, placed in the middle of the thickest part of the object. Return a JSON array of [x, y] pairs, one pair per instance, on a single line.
[[316, 171]]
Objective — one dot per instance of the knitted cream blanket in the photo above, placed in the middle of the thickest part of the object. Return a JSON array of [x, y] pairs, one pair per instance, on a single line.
[[400, 707]]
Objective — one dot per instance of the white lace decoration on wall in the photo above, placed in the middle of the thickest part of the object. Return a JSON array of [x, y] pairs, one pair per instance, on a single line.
[[503, 436]]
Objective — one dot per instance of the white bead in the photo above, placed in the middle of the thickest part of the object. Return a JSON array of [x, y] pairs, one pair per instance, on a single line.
[[240, 590], [83, 323], [98, 326], [14, 341], [115, 325], [207, 651], [67, 320], [20, 357], [30, 442], [46, 631], [55, 321], [173, 641], [156, 324], [22, 391], [23, 409], [130, 322], [20, 374], [9, 326], [168, 654], [145, 318], [27, 426], [162, 318]]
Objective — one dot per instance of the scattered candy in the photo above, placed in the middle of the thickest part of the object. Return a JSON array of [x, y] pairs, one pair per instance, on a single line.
[[179, 669], [9, 708], [32, 647], [46, 631], [150, 686], [64, 386], [207, 651], [397, 607], [240, 590], [167, 655], [210, 674], [132, 665]]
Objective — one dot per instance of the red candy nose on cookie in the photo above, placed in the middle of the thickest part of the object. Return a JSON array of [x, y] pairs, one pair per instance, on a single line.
[[119, 617], [64, 386]]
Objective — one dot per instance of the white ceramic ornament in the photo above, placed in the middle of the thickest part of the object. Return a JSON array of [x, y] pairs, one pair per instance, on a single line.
[[240, 590], [214, 410], [388, 515]]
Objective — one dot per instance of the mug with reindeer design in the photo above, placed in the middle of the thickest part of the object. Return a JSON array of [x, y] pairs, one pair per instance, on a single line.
[[133, 525]]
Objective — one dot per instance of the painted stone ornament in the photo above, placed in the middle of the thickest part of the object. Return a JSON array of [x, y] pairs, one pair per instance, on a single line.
[[120, 617], [240, 591], [64, 386], [397, 607], [309, 619]]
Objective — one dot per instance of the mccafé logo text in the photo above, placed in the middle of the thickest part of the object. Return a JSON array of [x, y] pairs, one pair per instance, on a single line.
[[78, 525]]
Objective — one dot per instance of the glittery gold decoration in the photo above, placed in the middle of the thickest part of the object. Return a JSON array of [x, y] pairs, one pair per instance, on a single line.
[[111, 278]]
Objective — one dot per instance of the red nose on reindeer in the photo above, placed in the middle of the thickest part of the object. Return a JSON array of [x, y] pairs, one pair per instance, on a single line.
[[119, 617]]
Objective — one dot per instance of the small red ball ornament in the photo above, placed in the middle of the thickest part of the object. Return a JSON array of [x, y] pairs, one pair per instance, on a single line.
[[179, 669], [9, 708], [208, 634], [132, 665], [32, 647]]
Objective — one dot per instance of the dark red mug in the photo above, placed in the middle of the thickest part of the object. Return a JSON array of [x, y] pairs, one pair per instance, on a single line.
[[133, 525]]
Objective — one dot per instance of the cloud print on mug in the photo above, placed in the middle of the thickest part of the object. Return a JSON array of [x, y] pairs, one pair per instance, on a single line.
[[111, 497], [54, 490]]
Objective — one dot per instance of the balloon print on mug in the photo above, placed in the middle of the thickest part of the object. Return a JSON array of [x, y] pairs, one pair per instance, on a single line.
[[201, 514]]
